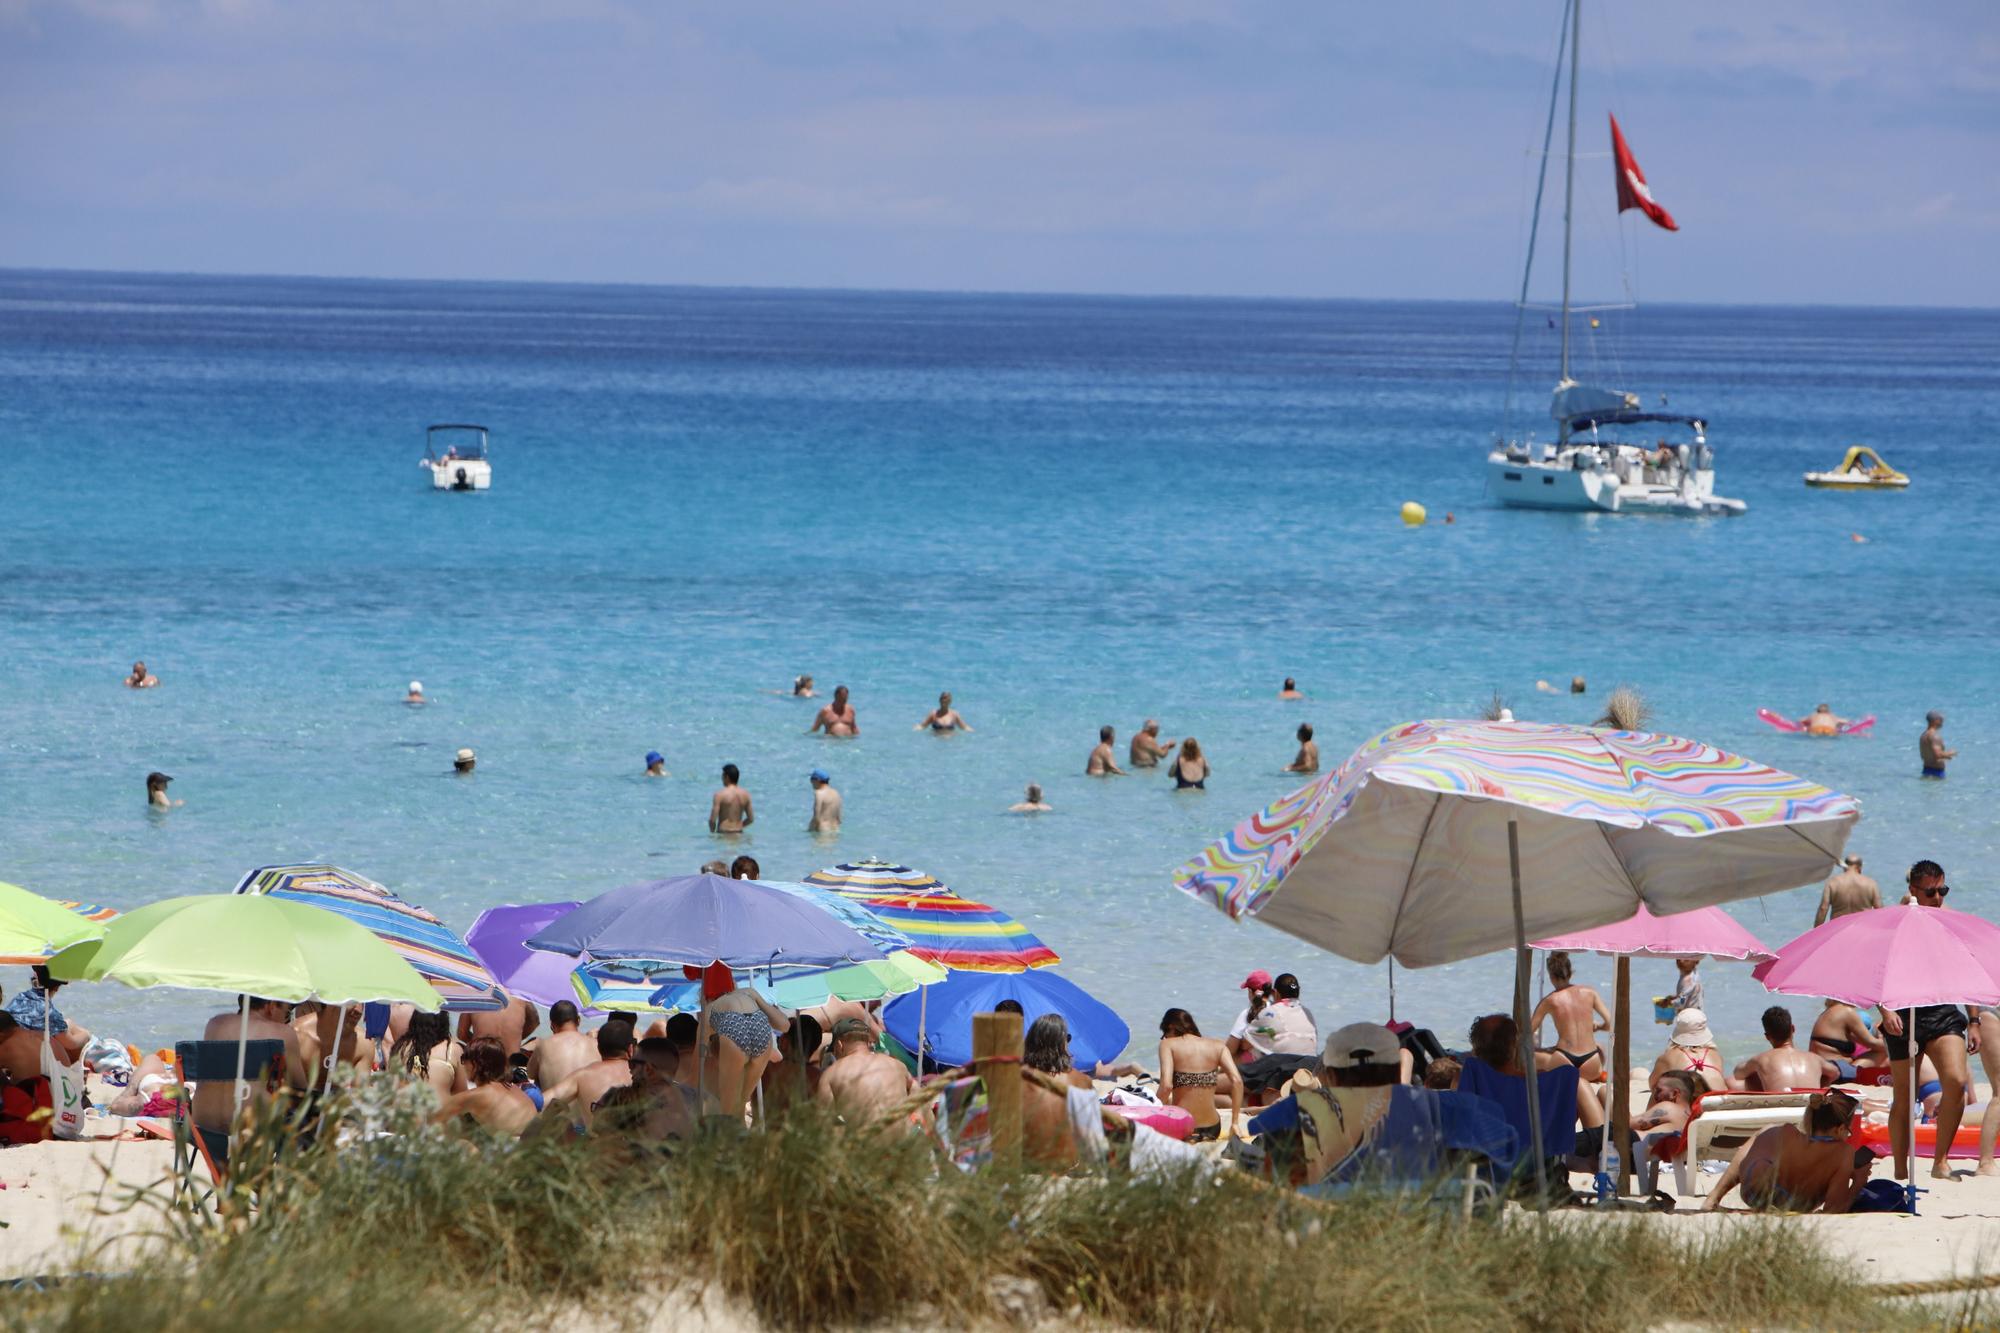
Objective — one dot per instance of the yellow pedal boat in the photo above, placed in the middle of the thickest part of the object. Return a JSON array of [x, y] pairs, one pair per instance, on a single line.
[[1861, 470]]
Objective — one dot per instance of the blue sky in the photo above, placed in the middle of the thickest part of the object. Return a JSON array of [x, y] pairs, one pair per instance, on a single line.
[[1813, 152]]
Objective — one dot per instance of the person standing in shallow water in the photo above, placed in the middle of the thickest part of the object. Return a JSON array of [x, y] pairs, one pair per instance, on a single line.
[[1931, 748], [825, 803], [1290, 690], [944, 719], [1308, 756], [141, 679], [729, 809], [1147, 749], [1102, 762], [1033, 805], [837, 718], [156, 792]]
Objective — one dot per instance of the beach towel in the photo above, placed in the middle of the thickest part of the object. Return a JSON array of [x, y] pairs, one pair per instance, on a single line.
[[1154, 1154], [1086, 1124], [1509, 1093]]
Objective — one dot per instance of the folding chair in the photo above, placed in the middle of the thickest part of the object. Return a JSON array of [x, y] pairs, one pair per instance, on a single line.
[[204, 1062]]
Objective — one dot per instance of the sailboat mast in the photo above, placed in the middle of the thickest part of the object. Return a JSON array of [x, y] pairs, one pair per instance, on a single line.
[[1569, 174]]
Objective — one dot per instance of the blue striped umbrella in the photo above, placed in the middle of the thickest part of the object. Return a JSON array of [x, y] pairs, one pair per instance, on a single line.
[[426, 943]]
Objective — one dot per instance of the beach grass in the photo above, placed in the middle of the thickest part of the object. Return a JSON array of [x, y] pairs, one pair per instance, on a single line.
[[811, 1226]]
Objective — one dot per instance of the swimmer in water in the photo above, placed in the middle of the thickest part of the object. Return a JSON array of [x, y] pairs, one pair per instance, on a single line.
[[837, 718], [156, 792], [802, 688], [1290, 690], [656, 764], [944, 719], [1147, 749], [464, 761], [826, 810], [416, 694], [1308, 756], [1034, 805], [1102, 762], [1822, 722], [729, 809], [141, 679]]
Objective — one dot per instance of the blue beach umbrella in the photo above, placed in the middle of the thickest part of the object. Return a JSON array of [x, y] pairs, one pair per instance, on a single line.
[[1096, 1032], [700, 920]]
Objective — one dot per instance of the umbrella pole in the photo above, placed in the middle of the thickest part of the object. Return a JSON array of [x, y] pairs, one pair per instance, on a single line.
[[923, 1014], [242, 1047], [1521, 964], [1621, 1083], [1392, 989], [1910, 1120]]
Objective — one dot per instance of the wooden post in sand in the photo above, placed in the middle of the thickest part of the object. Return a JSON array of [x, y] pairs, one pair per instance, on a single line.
[[1621, 1063], [996, 1054]]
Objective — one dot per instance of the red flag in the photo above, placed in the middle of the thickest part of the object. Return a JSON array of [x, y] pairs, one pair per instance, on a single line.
[[1632, 191]]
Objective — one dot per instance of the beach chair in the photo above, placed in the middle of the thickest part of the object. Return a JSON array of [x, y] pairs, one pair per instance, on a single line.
[[1722, 1122], [1509, 1094], [200, 1062]]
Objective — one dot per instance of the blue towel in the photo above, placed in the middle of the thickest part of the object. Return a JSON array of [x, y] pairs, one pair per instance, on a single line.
[[1509, 1094], [1473, 1124]]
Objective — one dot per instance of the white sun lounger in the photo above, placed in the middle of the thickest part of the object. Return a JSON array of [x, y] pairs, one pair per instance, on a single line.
[[1726, 1120]]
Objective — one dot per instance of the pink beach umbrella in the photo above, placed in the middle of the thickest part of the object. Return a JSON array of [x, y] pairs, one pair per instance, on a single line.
[[1706, 932], [1894, 958]]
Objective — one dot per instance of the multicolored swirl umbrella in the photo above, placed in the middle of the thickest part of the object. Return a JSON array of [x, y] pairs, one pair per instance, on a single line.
[[942, 927], [426, 943], [1404, 850]]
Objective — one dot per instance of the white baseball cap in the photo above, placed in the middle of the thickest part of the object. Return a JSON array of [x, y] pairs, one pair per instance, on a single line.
[[1362, 1044], [416, 687]]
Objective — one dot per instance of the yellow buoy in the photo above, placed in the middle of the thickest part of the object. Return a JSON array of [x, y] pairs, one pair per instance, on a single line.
[[1413, 513]]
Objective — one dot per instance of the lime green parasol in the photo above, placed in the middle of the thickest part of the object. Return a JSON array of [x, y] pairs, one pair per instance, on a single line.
[[248, 943], [32, 927]]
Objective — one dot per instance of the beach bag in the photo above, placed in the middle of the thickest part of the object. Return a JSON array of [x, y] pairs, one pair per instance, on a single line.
[[1883, 1196], [65, 1095]]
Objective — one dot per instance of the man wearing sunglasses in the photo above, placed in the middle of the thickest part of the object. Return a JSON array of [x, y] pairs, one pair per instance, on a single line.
[[1945, 1033]]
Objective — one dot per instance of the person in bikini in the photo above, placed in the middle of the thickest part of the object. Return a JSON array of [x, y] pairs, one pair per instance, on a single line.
[[1692, 1047], [492, 1103], [748, 1024], [944, 719], [1192, 1068], [1784, 1067], [1840, 1036], [1786, 1169], [1579, 1014]]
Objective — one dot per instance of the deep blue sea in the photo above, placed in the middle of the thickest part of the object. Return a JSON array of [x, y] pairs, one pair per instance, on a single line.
[[1067, 510]]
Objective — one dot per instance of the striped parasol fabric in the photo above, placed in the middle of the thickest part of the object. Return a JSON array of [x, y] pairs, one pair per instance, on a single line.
[[1403, 851], [426, 943], [943, 928], [97, 912], [875, 879]]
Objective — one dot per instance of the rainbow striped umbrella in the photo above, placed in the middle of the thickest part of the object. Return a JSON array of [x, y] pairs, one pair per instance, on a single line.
[[1404, 851], [97, 912], [943, 928], [426, 943]]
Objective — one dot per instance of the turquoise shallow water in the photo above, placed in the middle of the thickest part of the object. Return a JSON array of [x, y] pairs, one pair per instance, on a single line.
[[1067, 510]]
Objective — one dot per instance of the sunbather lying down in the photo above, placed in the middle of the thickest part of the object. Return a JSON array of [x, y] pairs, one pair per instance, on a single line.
[[1788, 1170]]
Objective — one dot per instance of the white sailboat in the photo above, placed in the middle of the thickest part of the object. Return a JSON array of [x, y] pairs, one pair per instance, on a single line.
[[1599, 461]]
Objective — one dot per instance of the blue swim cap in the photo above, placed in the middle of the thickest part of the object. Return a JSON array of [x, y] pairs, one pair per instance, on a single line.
[[654, 757], [819, 775]]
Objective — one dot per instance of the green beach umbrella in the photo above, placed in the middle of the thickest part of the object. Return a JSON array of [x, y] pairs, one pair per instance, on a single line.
[[32, 927], [247, 943]]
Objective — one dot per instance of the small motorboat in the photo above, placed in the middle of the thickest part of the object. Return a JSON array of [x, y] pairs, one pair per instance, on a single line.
[[458, 462], [1861, 470]]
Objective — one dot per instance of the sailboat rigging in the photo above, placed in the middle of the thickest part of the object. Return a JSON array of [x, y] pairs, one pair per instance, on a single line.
[[1588, 468]]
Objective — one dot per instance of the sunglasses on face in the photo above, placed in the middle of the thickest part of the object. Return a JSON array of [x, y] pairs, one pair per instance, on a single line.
[[1931, 890]]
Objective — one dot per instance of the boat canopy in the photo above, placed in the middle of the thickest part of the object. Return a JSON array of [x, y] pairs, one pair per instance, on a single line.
[[1860, 458], [472, 448]]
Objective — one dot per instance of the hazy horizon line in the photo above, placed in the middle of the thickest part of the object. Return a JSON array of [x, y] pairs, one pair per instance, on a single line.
[[1021, 294]]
